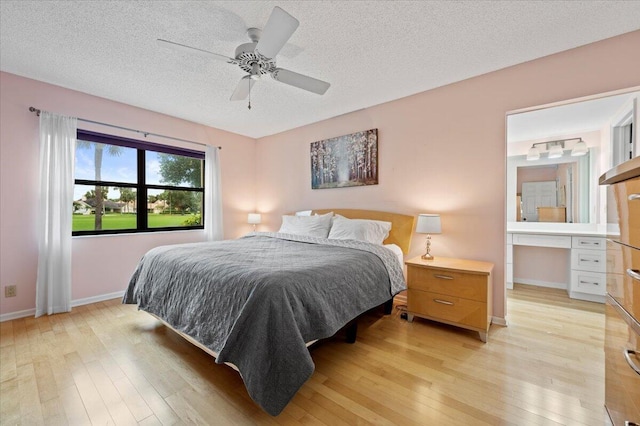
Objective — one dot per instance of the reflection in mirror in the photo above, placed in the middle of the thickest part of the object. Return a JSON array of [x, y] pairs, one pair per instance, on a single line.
[[555, 190], [555, 156]]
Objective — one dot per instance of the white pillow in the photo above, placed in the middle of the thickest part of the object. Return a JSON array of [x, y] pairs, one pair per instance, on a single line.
[[371, 231], [304, 213], [312, 226]]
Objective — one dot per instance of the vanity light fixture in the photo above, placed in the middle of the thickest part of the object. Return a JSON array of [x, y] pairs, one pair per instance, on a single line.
[[556, 149], [580, 148], [533, 154], [428, 224]]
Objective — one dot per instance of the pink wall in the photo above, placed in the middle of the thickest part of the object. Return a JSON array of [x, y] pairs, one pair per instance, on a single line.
[[440, 151], [544, 266], [536, 174], [443, 151], [101, 265]]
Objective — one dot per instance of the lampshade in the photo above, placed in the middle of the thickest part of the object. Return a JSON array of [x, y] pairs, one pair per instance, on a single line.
[[428, 224], [555, 151], [254, 218], [579, 149], [533, 154]]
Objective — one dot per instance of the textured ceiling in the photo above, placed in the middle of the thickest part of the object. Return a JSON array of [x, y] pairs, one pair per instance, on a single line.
[[370, 51]]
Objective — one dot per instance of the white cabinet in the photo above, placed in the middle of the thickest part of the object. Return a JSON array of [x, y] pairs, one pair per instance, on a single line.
[[588, 268], [588, 260]]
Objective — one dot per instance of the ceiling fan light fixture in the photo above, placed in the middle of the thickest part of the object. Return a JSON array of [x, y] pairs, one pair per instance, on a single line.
[[533, 154], [579, 149]]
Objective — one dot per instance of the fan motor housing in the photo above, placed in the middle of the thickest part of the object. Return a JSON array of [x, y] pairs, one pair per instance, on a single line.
[[247, 57]]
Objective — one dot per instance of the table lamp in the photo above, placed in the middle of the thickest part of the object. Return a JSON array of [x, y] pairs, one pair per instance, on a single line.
[[428, 224], [254, 219]]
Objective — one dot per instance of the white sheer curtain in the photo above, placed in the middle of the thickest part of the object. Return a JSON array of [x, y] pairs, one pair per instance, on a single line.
[[57, 149], [213, 194]]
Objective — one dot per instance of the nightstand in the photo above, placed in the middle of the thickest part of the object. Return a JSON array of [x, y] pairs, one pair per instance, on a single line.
[[451, 291]]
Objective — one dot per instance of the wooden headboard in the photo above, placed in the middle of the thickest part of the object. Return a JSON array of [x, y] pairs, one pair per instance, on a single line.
[[401, 224]]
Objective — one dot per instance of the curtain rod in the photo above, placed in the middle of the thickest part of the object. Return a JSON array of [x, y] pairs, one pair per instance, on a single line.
[[37, 111]]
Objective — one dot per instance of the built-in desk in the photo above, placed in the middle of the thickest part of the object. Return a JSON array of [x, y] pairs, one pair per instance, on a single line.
[[587, 247]]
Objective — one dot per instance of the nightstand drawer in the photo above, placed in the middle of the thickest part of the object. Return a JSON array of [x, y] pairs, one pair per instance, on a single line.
[[457, 284], [452, 309]]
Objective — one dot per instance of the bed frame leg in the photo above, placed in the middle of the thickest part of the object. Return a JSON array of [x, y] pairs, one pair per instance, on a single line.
[[388, 306], [352, 331]]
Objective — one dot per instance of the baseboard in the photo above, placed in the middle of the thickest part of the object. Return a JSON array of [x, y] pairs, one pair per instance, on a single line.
[[548, 284], [18, 314], [501, 321], [587, 297], [96, 299], [78, 302]]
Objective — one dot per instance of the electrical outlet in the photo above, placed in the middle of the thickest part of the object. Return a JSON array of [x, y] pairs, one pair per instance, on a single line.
[[10, 291]]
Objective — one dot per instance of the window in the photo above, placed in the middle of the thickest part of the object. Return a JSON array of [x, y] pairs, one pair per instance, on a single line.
[[125, 185]]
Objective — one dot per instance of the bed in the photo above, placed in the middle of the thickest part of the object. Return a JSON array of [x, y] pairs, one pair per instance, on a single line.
[[257, 302]]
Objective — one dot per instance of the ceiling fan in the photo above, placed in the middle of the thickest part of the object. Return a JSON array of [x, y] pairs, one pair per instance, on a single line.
[[257, 58]]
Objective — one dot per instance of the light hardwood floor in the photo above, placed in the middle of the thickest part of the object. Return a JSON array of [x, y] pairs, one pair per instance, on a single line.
[[108, 363]]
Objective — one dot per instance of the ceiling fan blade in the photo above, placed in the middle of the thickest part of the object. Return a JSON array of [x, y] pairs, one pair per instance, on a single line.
[[276, 32], [242, 90], [189, 49], [301, 81]]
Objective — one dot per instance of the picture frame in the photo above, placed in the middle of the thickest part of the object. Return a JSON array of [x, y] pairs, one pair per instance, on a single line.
[[345, 161]]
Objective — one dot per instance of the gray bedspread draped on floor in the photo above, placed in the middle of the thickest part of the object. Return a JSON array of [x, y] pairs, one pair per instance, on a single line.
[[256, 300]]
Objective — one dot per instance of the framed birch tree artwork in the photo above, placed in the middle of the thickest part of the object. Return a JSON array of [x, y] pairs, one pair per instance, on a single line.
[[349, 160]]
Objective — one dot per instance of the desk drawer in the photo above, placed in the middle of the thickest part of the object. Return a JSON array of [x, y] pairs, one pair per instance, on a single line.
[[589, 282], [589, 260], [458, 284], [538, 240], [448, 308], [592, 243]]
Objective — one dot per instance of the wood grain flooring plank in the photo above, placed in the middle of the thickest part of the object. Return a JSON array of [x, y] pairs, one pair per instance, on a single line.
[[108, 363]]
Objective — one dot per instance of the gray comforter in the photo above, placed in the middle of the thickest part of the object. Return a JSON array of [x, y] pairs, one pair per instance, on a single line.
[[257, 300]]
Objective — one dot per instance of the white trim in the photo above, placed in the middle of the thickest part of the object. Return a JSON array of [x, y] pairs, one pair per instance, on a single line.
[[96, 299], [539, 283], [18, 314], [79, 302], [499, 321], [574, 101], [588, 297]]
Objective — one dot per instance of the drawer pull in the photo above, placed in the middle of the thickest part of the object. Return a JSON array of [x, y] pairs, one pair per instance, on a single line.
[[634, 273], [443, 277], [590, 260], [589, 243], [444, 302], [589, 282], [627, 355], [634, 197]]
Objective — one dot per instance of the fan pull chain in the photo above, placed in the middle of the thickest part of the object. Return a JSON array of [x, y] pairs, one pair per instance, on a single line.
[[249, 94]]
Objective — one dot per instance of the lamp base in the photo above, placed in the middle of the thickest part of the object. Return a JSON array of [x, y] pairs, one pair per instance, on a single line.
[[427, 256]]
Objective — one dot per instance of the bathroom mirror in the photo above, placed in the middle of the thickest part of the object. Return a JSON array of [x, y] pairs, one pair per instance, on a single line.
[[586, 138], [551, 190]]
